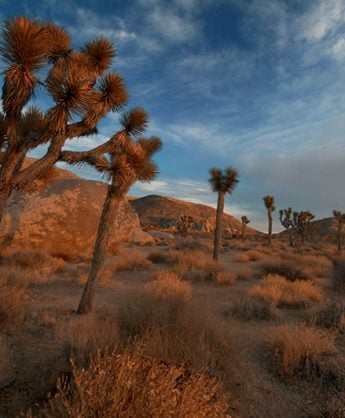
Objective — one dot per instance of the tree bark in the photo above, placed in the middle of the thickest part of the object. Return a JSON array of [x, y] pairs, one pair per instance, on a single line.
[[290, 237], [219, 226], [269, 214], [111, 205], [243, 230], [339, 237]]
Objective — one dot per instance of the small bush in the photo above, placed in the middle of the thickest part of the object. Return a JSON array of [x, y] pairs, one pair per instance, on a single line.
[[132, 261], [36, 266], [339, 275], [242, 257], [253, 309], [287, 270], [83, 335], [281, 292], [13, 298], [298, 350], [157, 257], [194, 245], [132, 386], [251, 255], [243, 273], [6, 367], [225, 278], [332, 316]]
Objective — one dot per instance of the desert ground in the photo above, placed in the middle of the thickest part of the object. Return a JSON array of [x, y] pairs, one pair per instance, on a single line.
[[260, 334]]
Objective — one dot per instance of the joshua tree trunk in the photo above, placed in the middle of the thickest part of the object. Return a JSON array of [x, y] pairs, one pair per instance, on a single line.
[[219, 225], [111, 204], [339, 237], [269, 213], [290, 237], [243, 229]]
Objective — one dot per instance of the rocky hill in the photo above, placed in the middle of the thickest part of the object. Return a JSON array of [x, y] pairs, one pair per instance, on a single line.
[[159, 212], [63, 218]]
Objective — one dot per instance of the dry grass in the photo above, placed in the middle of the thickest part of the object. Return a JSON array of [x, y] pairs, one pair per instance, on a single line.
[[13, 297], [298, 350], [288, 270], [157, 257], [281, 292], [251, 255], [170, 328], [168, 286], [332, 316], [6, 366], [132, 261], [252, 309], [35, 267], [243, 273], [83, 335], [339, 275], [225, 278], [194, 244], [130, 385]]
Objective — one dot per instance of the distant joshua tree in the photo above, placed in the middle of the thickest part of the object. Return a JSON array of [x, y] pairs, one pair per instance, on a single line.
[[245, 222], [270, 206], [339, 218], [184, 224], [302, 223], [285, 217], [221, 182]]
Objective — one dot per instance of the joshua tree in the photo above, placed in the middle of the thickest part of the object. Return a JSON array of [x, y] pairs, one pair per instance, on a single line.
[[339, 218], [184, 224], [78, 83], [221, 182], [245, 222], [270, 206], [285, 217], [129, 161], [302, 223]]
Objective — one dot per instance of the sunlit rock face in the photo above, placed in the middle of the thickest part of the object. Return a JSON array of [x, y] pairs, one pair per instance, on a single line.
[[63, 217]]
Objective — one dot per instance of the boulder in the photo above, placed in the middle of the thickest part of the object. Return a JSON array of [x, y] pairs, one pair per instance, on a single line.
[[62, 219]]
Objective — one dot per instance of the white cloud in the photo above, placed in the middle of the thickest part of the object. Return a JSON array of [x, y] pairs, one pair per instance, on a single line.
[[325, 17]]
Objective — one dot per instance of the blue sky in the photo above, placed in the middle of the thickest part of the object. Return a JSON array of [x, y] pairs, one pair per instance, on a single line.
[[258, 85]]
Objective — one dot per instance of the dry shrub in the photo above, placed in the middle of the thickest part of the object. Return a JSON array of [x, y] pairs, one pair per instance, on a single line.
[[339, 275], [6, 367], [35, 266], [209, 271], [157, 257], [299, 350], [170, 328], [194, 245], [241, 257], [332, 316], [334, 407], [281, 292], [13, 297], [315, 265], [225, 278], [249, 309], [251, 255], [243, 273], [168, 286], [186, 261], [130, 385], [132, 261], [288, 270], [162, 304], [83, 335]]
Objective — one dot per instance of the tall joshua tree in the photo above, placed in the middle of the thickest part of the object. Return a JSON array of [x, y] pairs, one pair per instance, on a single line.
[[82, 90], [221, 182], [245, 222], [302, 223], [339, 219], [270, 206], [129, 161]]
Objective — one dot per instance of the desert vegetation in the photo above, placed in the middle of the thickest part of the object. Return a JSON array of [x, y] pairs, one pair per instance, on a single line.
[[197, 320]]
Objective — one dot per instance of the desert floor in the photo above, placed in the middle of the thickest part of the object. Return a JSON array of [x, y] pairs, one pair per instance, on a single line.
[[267, 323]]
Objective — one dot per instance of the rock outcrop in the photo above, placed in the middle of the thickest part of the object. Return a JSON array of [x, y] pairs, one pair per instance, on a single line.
[[63, 218]]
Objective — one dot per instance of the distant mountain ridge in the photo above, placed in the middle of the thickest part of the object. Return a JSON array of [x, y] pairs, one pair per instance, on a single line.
[[160, 212]]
